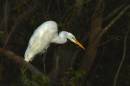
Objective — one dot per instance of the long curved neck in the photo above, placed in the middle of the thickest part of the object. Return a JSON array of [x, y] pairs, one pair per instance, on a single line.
[[60, 38]]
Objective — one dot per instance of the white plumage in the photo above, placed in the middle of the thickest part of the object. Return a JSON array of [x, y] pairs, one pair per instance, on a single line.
[[45, 34]]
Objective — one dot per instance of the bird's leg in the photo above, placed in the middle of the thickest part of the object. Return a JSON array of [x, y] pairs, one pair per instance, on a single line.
[[44, 60], [24, 68]]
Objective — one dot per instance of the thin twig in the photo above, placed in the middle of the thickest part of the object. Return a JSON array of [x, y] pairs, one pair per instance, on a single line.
[[74, 58], [48, 6], [122, 60], [109, 16], [6, 13], [4, 21], [108, 41], [112, 22], [17, 22]]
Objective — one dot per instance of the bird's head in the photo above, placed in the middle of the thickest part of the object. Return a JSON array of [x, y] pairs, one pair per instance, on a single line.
[[73, 39]]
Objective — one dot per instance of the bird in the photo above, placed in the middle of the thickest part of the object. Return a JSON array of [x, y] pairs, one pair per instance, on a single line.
[[43, 36]]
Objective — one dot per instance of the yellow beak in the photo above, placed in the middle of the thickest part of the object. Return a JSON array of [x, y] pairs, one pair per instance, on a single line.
[[79, 44]]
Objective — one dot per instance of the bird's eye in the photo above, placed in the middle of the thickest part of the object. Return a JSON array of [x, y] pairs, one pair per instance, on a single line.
[[73, 37]]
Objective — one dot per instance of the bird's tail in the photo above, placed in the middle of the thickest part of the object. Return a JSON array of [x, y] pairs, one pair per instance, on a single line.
[[28, 56]]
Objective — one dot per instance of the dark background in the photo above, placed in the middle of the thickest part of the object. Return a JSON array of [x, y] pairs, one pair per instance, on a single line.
[[102, 26]]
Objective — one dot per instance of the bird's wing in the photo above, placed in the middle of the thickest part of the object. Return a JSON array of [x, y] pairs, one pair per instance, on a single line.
[[33, 48], [41, 39]]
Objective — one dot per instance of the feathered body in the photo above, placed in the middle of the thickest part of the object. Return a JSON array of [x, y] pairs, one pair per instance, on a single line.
[[45, 34], [39, 42]]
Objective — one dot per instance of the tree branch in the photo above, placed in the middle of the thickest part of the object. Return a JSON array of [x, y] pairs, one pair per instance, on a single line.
[[19, 60], [96, 27], [122, 60]]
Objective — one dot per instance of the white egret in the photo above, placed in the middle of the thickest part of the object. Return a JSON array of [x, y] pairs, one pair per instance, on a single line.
[[45, 34]]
